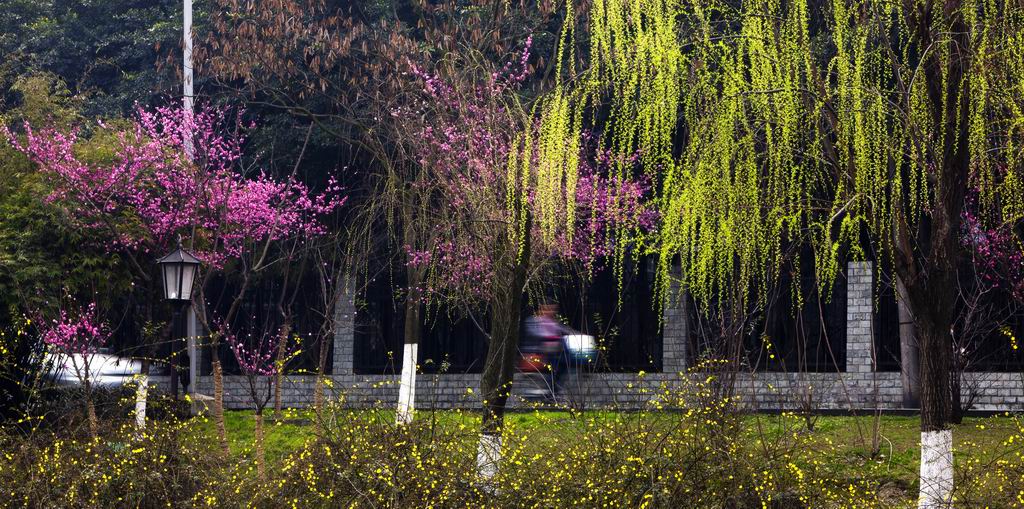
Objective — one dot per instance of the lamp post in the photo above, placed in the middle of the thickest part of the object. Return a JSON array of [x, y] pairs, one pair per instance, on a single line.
[[178, 271]]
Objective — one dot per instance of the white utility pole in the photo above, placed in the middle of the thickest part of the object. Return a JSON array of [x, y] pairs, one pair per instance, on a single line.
[[189, 103], [187, 72]]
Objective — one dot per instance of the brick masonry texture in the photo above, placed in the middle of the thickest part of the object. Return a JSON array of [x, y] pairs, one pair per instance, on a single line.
[[675, 330], [859, 387]]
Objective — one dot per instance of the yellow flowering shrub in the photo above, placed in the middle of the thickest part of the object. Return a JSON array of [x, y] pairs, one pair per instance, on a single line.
[[687, 447], [122, 468]]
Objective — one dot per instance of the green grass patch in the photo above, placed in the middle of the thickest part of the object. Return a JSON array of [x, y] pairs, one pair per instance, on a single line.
[[845, 442]]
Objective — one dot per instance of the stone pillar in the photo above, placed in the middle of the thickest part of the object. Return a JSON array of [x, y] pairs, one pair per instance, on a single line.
[[344, 332], [859, 334], [675, 346]]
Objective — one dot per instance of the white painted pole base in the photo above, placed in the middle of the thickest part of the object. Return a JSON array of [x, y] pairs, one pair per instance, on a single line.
[[141, 394], [488, 456], [936, 470], [407, 385]]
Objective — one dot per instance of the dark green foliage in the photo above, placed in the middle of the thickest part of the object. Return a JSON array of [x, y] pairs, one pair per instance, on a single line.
[[41, 257], [107, 50]]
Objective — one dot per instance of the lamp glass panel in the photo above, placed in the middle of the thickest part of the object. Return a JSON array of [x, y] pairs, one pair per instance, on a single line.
[[188, 275], [172, 280]]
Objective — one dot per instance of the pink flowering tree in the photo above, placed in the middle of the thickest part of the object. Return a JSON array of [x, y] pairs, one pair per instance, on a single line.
[[259, 357], [73, 338], [487, 243], [995, 271], [996, 252], [147, 195]]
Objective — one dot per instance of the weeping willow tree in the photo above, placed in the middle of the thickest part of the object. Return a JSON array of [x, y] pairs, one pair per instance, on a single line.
[[769, 122]]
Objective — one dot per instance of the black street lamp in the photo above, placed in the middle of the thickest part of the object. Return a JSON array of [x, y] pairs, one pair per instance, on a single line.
[[179, 270]]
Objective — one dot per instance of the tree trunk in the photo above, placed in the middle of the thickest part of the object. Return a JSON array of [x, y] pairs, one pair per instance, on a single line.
[[142, 396], [936, 470], [935, 367], [413, 329], [488, 455], [956, 371], [496, 381], [927, 262], [936, 476], [142, 389], [218, 401], [321, 378], [931, 289], [910, 368], [499, 364], [90, 409], [282, 344], [261, 460], [94, 426], [318, 394], [218, 371]]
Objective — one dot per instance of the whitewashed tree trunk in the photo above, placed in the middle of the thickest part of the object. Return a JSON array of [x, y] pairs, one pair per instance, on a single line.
[[141, 396], [488, 456], [936, 470], [407, 385]]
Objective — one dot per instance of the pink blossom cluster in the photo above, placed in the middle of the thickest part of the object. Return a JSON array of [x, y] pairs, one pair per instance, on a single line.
[[461, 267], [500, 80], [150, 192], [997, 254], [257, 355], [417, 257], [81, 333], [607, 204]]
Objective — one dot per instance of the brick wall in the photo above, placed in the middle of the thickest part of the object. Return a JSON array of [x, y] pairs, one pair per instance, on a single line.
[[858, 387], [761, 391]]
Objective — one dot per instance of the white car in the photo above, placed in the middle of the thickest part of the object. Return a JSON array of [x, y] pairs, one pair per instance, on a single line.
[[104, 369]]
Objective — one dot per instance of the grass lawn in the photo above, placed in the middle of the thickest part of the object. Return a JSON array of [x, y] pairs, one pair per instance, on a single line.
[[847, 441], [842, 441]]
